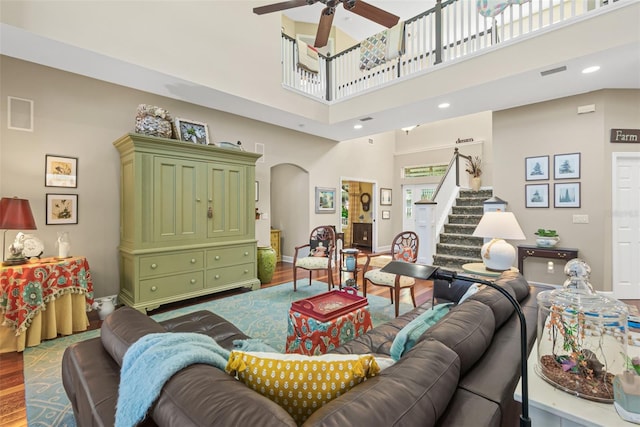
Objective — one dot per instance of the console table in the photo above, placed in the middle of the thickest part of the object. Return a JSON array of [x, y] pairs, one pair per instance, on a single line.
[[525, 251], [41, 299]]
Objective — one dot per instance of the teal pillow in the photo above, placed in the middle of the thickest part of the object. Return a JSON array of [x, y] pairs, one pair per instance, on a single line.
[[407, 337]]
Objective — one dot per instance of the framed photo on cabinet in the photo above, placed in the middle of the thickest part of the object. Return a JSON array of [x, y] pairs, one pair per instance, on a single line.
[[62, 209], [567, 195], [536, 168], [325, 200], [61, 171], [536, 195], [566, 166], [192, 131]]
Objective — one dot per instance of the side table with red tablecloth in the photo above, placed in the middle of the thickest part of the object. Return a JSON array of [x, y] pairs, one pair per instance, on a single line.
[[306, 335], [43, 298]]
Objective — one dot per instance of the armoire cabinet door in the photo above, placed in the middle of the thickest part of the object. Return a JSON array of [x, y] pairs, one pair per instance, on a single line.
[[227, 200], [179, 209]]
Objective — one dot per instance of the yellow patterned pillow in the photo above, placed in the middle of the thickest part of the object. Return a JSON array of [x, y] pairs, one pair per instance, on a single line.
[[301, 384]]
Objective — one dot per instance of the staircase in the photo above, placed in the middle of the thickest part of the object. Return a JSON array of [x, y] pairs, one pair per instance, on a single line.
[[457, 246]]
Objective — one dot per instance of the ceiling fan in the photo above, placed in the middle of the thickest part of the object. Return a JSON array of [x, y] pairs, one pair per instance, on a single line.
[[358, 7]]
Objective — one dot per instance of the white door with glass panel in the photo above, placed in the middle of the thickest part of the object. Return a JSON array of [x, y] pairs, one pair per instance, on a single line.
[[625, 220], [412, 193]]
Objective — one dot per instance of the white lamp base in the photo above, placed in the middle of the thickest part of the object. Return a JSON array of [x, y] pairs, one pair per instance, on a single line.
[[498, 255]]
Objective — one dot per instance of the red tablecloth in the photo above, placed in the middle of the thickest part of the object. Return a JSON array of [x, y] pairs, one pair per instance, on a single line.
[[26, 288], [306, 335]]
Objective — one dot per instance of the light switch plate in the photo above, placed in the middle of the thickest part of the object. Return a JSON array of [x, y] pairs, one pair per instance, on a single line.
[[581, 219]]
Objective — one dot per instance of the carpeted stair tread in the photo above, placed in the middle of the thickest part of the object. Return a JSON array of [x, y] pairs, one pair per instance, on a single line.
[[464, 219], [458, 250]]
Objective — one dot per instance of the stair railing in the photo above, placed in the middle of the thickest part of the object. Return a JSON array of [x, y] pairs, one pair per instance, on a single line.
[[431, 216]]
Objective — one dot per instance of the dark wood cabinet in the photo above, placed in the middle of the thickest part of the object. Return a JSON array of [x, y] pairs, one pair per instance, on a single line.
[[362, 234]]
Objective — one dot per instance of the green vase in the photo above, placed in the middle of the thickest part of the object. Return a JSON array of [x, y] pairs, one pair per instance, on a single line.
[[266, 263]]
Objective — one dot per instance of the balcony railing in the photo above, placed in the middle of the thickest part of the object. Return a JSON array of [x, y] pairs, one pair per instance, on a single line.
[[452, 30]]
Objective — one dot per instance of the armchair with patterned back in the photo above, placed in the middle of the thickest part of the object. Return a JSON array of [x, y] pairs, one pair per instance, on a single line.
[[403, 248], [322, 244]]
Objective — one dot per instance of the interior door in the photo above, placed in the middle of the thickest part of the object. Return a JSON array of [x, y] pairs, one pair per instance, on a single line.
[[626, 225], [411, 193]]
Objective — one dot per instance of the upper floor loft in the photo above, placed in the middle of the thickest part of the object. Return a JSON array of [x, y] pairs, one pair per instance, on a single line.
[[226, 58]]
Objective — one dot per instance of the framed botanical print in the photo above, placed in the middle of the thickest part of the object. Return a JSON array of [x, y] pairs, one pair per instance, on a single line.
[[192, 131], [536, 168], [566, 166], [61, 171], [567, 195], [325, 200], [62, 209], [536, 195], [385, 197]]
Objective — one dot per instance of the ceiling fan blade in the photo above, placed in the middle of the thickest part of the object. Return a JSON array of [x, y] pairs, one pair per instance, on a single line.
[[371, 12], [275, 7], [324, 27]]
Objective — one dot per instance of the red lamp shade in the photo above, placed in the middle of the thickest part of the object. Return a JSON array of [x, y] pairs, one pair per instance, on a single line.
[[15, 214]]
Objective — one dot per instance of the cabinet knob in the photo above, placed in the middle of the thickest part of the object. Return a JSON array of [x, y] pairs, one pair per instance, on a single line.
[[193, 260], [154, 288], [246, 271], [217, 257], [246, 254], [198, 199], [154, 265], [217, 276], [193, 281]]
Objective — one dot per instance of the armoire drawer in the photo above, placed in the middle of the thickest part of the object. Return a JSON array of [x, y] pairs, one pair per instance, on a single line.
[[223, 276], [155, 265], [222, 257], [163, 287]]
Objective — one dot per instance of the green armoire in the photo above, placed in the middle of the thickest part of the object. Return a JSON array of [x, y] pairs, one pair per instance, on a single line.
[[187, 224]]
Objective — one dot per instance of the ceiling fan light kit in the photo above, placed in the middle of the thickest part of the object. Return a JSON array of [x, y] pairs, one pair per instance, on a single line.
[[358, 7]]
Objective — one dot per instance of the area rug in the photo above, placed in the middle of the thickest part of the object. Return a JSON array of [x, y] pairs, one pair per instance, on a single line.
[[261, 314]]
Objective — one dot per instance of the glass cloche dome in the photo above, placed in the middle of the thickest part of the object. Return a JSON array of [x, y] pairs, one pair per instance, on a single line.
[[582, 336]]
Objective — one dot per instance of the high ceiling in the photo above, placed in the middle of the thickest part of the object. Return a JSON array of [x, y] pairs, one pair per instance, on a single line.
[[506, 76], [354, 25]]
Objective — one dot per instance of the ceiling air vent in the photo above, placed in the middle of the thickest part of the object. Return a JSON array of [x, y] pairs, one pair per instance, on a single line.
[[366, 119], [553, 71]]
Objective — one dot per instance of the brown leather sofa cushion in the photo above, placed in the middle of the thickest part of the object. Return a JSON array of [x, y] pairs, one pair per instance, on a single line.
[[516, 281], [414, 391], [502, 308], [467, 329], [124, 327]]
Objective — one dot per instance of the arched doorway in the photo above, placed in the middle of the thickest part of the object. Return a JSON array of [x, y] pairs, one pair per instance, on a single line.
[[289, 206]]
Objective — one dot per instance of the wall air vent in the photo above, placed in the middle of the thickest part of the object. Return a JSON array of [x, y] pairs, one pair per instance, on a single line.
[[553, 71], [366, 119]]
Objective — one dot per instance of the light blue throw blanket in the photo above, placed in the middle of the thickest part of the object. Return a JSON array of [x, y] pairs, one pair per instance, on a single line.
[[151, 361]]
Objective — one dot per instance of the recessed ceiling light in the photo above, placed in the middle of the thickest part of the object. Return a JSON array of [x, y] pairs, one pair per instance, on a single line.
[[591, 69], [444, 105], [358, 126]]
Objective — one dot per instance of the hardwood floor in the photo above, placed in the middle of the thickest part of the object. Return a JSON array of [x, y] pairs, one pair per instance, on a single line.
[[12, 402]]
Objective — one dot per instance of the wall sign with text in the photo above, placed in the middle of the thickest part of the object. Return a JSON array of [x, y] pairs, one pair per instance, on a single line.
[[625, 135]]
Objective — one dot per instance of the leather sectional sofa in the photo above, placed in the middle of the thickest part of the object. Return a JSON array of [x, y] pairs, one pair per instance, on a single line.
[[461, 372]]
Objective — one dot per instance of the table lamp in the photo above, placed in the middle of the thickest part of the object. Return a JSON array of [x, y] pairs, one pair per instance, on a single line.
[[15, 214], [498, 255], [427, 272]]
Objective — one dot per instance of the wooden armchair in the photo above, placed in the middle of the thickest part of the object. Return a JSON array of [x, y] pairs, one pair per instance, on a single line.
[[404, 248], [322, 244]]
